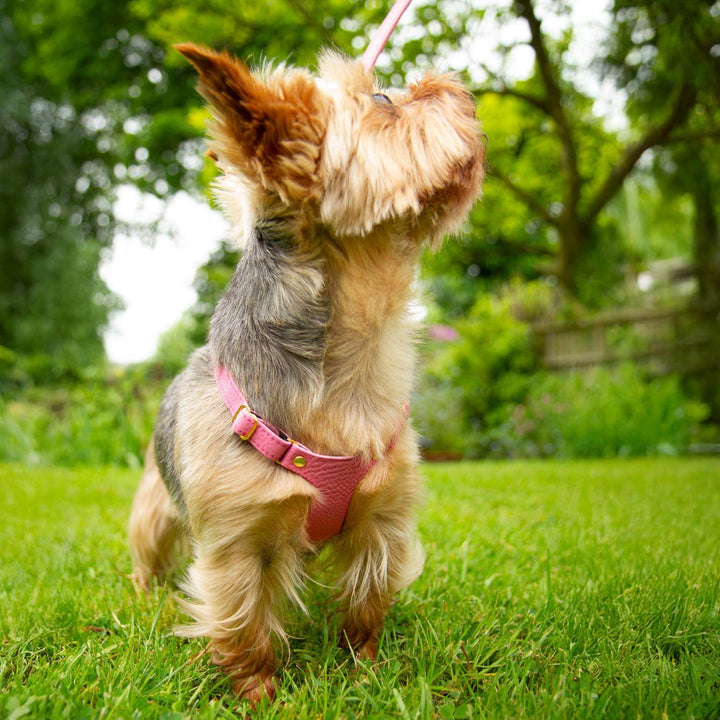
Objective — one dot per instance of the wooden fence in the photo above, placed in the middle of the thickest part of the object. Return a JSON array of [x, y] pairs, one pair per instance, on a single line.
[[664, 339]]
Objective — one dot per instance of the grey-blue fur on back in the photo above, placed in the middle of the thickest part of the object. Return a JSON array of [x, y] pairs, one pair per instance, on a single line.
[[164, 440], [269, 329]]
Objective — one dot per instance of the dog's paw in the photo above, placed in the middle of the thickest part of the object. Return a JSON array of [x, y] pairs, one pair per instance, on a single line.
[[368, 650], [255, 688], [365, 646], [141, 580]]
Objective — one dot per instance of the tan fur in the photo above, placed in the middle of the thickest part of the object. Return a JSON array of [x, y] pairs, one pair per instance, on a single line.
[[155, 530], [360, 186]]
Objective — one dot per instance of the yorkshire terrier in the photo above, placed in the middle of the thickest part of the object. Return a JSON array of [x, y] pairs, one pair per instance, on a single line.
[[290, 429]]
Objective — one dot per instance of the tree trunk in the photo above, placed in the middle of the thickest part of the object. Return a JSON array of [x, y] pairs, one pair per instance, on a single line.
[[706, 252], [707, 245], [571, 237]]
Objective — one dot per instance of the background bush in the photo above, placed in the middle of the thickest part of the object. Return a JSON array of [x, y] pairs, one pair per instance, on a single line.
[[486, 395], [470, 386], [107, 420], [606, 413]]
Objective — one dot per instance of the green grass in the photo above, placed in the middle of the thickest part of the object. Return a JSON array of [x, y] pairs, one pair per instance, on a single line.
[[570, 590]]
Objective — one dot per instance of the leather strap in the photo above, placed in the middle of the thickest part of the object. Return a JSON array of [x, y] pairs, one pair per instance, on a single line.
[[336, 477]]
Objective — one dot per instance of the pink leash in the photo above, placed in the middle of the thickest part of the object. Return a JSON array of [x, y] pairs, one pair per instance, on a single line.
[[372, 53], [336, 477]]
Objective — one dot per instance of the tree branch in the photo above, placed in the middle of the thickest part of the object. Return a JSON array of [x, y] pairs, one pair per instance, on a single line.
[[516, 247], [692, 136], [537, 42], [502, 89], [536, 102], [554, 104], [656, 135], [528, 198]]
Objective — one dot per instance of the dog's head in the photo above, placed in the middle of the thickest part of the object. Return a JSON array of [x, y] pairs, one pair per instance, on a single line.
[[340, 150]]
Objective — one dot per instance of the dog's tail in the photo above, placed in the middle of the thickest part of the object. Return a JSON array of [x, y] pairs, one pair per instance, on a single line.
[[156, 529]]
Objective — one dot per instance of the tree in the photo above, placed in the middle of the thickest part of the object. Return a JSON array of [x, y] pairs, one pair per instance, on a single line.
[[92, 96], [563, 167], [53, 304], [584, 195], [508, 235], [679, 43], [658, 46]]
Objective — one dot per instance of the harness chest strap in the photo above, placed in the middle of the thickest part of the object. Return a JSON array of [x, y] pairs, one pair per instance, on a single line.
[[336, 477]]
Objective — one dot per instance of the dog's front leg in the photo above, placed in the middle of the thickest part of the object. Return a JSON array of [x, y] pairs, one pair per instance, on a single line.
[[379, 554], [248, 563]]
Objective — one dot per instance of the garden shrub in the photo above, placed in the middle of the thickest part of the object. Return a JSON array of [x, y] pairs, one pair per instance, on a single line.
[[106, 421], [486, 395], [605, 413], [470, 386]]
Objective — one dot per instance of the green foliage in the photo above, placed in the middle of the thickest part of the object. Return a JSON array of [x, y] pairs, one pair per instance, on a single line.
[[607, 413], [56, 220], [602, 266], [506, 237], [276, 30], [550, 590], [657, 224], [175, 346], [103, 421], [659, 46], [502, 240], [662, 49], [486, 395], [473, 384]]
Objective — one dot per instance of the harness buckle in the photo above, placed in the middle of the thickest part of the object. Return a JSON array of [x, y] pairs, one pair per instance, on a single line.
[[250, 432]]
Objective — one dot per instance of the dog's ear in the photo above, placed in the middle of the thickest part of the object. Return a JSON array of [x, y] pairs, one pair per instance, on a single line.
[[271, 131]]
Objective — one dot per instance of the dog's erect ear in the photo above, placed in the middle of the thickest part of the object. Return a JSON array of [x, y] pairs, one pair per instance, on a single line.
[[270, 131]]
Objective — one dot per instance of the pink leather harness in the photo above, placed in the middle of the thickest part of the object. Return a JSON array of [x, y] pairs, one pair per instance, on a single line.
[[336, 477]]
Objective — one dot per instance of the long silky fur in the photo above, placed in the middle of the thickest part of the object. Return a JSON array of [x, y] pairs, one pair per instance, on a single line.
[[332, 197]]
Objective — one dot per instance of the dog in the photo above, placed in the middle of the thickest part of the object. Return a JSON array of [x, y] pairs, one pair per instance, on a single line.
[[289, 429]]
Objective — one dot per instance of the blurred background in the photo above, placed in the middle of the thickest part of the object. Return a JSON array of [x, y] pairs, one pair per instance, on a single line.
[[577, 316]]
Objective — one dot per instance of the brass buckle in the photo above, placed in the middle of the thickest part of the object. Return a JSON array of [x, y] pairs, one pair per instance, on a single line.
[[249, 433]]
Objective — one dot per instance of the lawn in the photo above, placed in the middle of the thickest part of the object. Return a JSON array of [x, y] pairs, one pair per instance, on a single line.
[[569, 590]]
